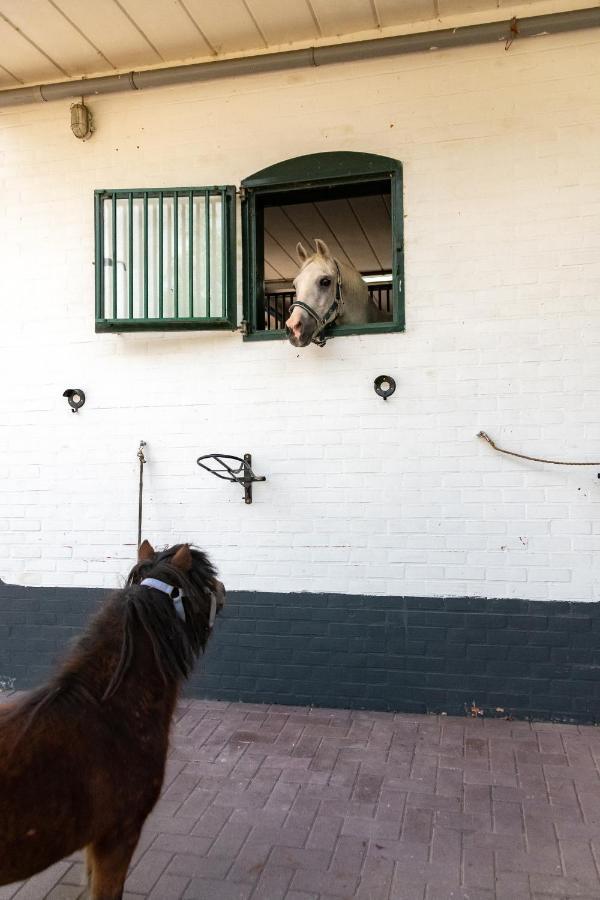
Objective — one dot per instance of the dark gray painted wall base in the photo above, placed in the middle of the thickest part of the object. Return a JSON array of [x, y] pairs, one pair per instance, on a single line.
[[412, 654]]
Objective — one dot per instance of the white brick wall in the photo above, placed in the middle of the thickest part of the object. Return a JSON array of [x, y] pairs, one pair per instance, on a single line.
[[501, 155]]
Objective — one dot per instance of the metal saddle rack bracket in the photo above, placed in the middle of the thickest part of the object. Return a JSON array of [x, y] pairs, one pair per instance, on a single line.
[[232, 468]]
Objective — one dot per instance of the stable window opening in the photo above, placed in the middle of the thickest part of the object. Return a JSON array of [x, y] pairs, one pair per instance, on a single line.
[[351, 203]]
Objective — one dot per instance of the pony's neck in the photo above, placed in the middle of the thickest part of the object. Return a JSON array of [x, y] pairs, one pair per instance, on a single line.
[[355, 293], [95, 659]]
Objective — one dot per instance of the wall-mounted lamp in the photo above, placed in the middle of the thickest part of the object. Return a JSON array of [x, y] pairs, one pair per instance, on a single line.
[[82, 121]]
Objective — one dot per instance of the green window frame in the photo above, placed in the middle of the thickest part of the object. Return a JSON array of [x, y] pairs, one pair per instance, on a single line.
[[165, 259], [332, 173]]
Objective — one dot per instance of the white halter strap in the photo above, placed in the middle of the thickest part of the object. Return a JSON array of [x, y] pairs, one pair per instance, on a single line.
[[177, 595]]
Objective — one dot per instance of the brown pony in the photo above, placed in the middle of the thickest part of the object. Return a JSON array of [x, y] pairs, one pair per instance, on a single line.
[[82, 759]]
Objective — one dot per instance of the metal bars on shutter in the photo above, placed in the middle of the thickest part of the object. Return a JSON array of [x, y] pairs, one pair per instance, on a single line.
[[165, 259]]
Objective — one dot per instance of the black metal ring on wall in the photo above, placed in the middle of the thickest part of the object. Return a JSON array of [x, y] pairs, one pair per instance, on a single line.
[[384, 386]]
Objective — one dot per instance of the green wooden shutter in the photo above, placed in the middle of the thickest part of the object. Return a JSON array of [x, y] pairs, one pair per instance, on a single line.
[[165, 259]]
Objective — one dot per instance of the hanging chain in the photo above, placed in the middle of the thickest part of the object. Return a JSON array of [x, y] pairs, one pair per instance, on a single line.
[[142, 459], [514, 32]]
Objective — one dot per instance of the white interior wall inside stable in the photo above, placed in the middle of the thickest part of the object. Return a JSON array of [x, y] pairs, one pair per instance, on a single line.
[[501, 154]]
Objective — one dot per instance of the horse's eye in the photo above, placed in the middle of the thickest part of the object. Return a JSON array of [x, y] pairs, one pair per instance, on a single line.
[[325, 282]]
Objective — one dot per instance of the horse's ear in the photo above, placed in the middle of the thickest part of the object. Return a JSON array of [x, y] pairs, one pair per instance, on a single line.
[[183, 558], [322, 247], [145, 551], [302, 254]]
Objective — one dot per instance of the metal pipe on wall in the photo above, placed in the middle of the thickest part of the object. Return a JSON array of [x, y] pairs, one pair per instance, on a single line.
[[469, 35]]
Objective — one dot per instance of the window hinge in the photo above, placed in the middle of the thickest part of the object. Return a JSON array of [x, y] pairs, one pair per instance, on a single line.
[[243, 328], [242, 193]]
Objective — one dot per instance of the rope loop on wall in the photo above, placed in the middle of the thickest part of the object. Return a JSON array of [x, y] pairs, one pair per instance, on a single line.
[[553, 462]]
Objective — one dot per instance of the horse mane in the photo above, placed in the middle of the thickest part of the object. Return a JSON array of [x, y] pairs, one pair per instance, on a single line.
[[175, 644]]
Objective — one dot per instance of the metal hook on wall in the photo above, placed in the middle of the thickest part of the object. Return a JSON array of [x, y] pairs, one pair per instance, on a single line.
[[241, 474]]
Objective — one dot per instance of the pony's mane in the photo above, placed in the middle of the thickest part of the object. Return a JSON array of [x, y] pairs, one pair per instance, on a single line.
[[175, 644]]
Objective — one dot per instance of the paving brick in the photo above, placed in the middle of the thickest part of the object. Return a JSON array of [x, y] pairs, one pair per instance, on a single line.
[[417, 826], [250, 862], [210, 889], [75, 875], [195, 804], [211, 821], [64, 892], [367, 789], [301, 859], [190, 865], [324, 832], [303, 811], [449, 783], [390, 812], [300, 895], [182, 843], [282, 797], [38, 887], [407, 887], [376, 879], [334, 883], [286, 836], [544, 860], [508, 818], [445, 852], [478, 868], [464, 821], [147, 837], [230, 840], [348, 855], [562, 887], [273, 883], [512, 886], [169, 887], [434, 802], [412, 859], [578, 860], [143, 876], [456, 892], [159, 824]]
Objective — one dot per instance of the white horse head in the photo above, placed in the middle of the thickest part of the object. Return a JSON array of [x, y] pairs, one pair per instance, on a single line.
[[316, 285], [326, 291]]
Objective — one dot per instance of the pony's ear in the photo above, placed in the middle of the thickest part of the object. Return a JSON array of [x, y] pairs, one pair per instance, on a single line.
[[183, 558], [145, 551], [322, 248], [302, 254]]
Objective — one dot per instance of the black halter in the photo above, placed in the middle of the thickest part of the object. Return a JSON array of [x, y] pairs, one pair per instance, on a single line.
[[332, 313]]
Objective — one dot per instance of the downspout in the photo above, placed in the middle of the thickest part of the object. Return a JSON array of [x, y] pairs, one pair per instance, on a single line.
[[469, 35]]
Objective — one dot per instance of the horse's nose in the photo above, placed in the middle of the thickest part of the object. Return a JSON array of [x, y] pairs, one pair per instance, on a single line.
[[293, 330]]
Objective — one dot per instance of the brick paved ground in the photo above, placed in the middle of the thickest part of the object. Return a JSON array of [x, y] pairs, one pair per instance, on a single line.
[[281, 802]]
